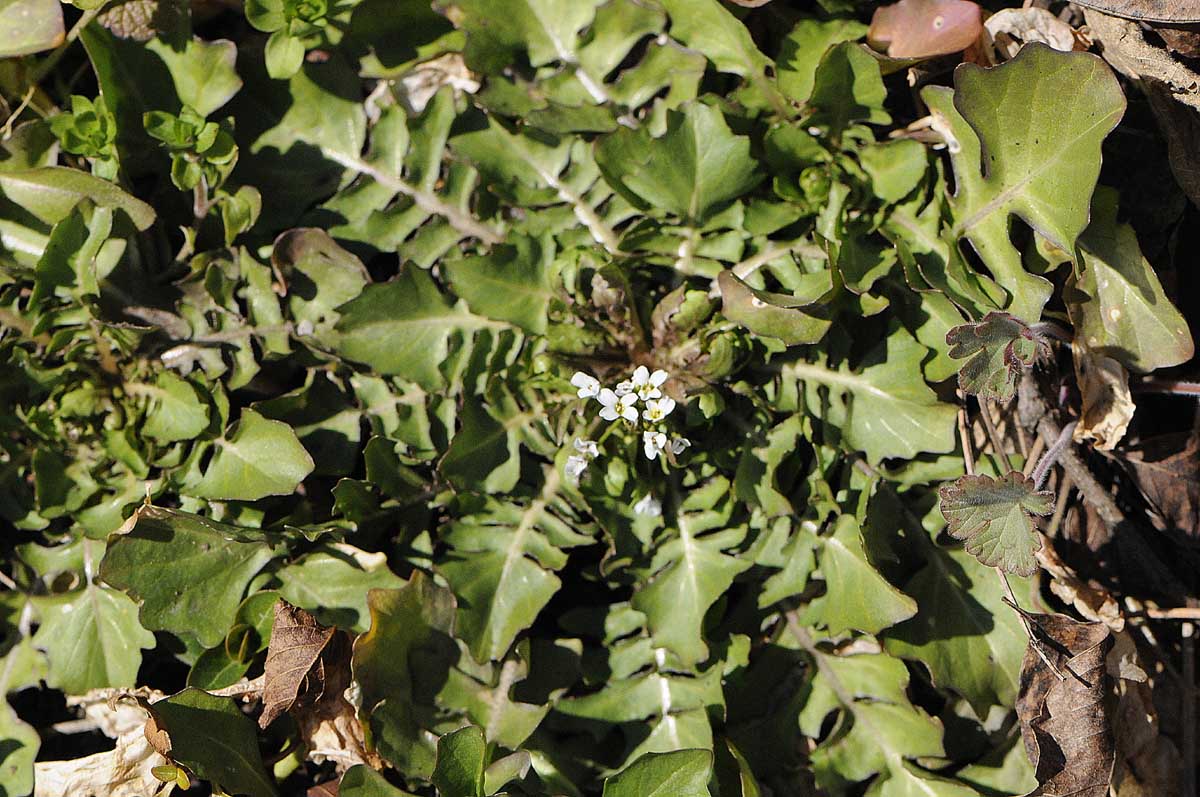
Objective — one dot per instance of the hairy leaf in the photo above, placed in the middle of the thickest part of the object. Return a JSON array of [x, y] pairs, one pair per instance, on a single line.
[[994, 518], [997, 351]]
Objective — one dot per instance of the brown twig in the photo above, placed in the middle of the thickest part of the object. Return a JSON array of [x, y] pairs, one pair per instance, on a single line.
[[1188, 634], [985, 413]]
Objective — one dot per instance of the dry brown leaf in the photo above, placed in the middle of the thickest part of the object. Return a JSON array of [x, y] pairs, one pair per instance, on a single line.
[[1107, 404], [124, 771], [293, 663], [1180, 11], [1148, 764], [925, 28], [1167, 471], [1011, 28], [1065, 722], [1092, 601], [327, 789], [418, 86]]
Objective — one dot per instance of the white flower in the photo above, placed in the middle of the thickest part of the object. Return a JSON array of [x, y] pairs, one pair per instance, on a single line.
[[648, 506], [679, 444], [618, 406], [587, 448], [653, 443], [588, 385], [647, 384], [624, 388], [575, 467], [658, 409]]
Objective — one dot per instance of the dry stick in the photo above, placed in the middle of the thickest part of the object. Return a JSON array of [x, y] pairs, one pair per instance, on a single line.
[[985, 412], [1188, 633], [1035, 414], [1035, 454], [1060, 506]]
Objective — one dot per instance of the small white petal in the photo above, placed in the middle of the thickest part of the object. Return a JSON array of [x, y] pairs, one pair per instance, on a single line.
[[587, 447], [641, 376], [609, 413], [658, 377], [648, 506], [575, 467], [624, 388], [588, 385], [679, 445], [630, 413], [608, 398]]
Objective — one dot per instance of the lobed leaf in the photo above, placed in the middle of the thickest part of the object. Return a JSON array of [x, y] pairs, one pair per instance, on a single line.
[[995, 519]]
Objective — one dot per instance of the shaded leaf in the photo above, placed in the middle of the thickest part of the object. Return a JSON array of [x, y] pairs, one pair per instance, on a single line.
[[362, 781], [994, 518], [795, 320], [214, 739], [1117, 304], [997, 351], [856, 595], [51, 192], [188, 572]]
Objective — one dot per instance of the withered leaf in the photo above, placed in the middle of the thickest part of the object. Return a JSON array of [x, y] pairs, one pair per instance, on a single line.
[[1181, 11], [327, 789], [293, 660], [1065, 723], [925, 28], [1167, 471]]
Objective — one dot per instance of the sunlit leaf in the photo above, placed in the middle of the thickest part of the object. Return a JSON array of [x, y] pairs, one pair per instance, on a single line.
[[995, 519]]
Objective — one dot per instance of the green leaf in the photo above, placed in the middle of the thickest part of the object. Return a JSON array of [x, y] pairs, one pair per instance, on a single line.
[[259, 458], [511, 283], [707, 27], [204, 72], [997, 351], [1012, 159], [796, 320], [499, 29], [362, 781], [332, 582], [689, 572], [994, 517], [404, 328], [29, 26], [1117, 304], [52, 192], [176, 412], [856, 595], [484, 453], [501, 566], [92, 638], [188, 572], [284, 55], [697, 166], [19, 744], [213, 738], [398, 664], [802, 50], [971, 643], [847, 88], [461, 759], [683, 773], [884, 410]]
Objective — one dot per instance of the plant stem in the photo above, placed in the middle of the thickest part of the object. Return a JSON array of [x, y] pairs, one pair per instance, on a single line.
[[985, 413], [1052, 454], [52, 60]]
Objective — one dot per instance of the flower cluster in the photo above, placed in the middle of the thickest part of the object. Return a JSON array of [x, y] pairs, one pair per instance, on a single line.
[[621, 404]]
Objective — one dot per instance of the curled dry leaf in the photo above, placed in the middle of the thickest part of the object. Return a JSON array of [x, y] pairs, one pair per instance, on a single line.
[[426, 79], [1166, 470], [1065, 722], [1091, 600], [124, 771], [1012, 28], [1107, 404], [293, 660], [925, 28], [307, 674]]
